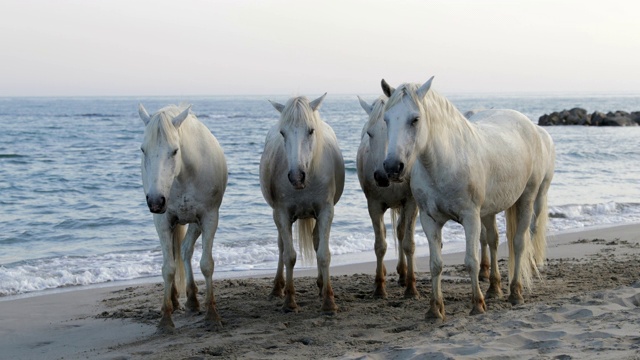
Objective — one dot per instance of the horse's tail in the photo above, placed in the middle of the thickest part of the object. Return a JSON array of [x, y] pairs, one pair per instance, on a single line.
[[539, 233], [527, 264], [394, 225], [177, 237], [305, 239]]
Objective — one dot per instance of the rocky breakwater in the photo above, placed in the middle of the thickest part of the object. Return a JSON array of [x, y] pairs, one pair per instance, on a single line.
[[579, 116]]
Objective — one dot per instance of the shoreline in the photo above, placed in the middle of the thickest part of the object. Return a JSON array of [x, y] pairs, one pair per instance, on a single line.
[[71, 323], [453, 258]]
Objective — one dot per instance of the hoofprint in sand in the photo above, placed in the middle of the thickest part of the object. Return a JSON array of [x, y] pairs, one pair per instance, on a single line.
[[586, 306]]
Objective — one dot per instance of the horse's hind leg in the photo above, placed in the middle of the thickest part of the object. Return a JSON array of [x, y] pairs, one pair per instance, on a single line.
[[408, 223], [193, 232], [376, 213], [520, 256], [397, 220], [490, 232], [207, 265], [484, 256]]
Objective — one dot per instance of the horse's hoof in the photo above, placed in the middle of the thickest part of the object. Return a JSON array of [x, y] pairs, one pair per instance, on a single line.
[[478, 309], [516, 299], [166, 327], [494, 293], [329, 307], [290, 309], [276, 293], [402, 281], [213, 325], [379, 293], [411, 293], [192, 306], [435, 316]]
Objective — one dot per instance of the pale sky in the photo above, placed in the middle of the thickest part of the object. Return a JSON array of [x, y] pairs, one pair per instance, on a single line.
[[235, 47]]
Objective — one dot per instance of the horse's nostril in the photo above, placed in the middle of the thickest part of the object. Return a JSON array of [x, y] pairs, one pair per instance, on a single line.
[[400, 167], [303, 175], [162, 200]]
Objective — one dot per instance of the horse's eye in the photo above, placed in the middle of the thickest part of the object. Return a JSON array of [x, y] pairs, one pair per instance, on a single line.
[[282, 133], [141, 149], [175, 152], [369, 133], [311, 131], [414, 121]]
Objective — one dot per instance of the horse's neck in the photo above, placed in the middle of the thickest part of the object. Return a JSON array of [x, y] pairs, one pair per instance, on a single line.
[[191, 155], [449, 136]]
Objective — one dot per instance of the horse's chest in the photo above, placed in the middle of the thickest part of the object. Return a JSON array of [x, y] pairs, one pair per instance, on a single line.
[[184, 209]]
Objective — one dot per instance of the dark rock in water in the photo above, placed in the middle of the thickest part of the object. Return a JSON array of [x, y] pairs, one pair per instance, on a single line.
[[618, 121], [579, 116]]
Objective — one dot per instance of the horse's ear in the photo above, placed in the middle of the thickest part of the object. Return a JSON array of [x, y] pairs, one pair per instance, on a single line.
[[424, 89], [315, 104], [367, 108], [177, 121], [386, 88], [144, 115], [278, 106]]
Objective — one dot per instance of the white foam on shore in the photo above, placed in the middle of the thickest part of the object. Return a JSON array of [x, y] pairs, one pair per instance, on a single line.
[[252, 259]]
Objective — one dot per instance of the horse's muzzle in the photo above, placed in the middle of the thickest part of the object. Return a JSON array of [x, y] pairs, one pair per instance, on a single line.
[[297, 179], [381, 178], [394, 169], [157, 204]]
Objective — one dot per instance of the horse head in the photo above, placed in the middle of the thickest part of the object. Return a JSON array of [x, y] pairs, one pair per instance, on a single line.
[[161, 159], [301, 130], [406, 122], [376, 130]]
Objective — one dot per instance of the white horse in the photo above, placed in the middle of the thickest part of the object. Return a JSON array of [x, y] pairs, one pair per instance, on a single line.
[[382, 195], [184, 174], [302, 178], [469, 172]]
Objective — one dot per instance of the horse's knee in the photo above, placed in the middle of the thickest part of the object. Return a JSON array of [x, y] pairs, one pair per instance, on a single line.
[[206, 266], [435, 267], [168, 270]]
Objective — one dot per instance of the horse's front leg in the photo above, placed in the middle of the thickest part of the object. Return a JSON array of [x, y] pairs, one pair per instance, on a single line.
[[376, 213], [323, 256], [408, 223], [209, 228], [278, 282], [472, 227], [165, 233], [283, 223], [490, 232], [433, 230], [187, 248]]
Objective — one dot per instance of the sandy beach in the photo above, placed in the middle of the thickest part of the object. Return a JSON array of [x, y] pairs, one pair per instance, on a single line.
[[587, 305]]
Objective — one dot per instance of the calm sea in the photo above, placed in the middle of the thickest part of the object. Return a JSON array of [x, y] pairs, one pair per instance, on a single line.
[[72, 210]]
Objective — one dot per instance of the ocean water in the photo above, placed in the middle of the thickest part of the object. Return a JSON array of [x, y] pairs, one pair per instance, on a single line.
[[72, 209]]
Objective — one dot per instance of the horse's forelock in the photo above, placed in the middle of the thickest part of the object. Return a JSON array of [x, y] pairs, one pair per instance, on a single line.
[[161, 127], [297, 112]]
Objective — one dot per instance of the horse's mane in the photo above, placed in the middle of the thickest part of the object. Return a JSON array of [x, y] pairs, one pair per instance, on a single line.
[[297, 112], [448, 128], [377, 111], [161, 121]]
